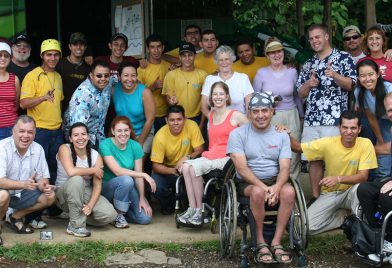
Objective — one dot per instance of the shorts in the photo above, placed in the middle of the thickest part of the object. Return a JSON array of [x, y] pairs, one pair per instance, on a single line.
[[317, 132], [242, 184], [203, 165], [27, 199]]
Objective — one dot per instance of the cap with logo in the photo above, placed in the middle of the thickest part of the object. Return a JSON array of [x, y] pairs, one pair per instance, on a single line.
[[77, 37], [20, 37], [119, 35], [187, 47]]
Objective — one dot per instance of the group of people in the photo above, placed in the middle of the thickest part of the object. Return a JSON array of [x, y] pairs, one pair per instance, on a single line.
[[92, 127]]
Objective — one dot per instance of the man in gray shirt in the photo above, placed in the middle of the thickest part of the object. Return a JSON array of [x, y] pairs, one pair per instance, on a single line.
[[261, 157], [24, 173]]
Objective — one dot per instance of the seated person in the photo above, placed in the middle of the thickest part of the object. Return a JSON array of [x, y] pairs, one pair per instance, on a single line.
[[24, 175], [261, 156], [79, 183], [123, 179], [348, 159], [221, 122], [377, 196], [179, 140]]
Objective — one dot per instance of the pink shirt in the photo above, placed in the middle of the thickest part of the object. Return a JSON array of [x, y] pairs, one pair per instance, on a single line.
[[8, 109], [218, 136]]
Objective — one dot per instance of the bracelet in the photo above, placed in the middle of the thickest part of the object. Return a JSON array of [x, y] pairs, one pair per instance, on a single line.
[[339, 179]]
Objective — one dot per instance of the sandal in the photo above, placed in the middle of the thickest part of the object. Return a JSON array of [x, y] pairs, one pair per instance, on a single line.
[[279, 257], [260, 255], [23, 230]]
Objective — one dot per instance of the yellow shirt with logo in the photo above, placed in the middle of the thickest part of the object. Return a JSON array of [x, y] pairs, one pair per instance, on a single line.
[[186, 86], [168, 149], [206, 64], [37, 83], [251, 69], [339, 160], [148, 76]]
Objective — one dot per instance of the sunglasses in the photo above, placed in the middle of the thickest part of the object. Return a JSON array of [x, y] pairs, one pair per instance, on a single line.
[[102, 75], [348, 38]]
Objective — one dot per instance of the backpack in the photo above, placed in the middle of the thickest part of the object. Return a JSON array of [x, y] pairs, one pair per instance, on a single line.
[[364, 239]]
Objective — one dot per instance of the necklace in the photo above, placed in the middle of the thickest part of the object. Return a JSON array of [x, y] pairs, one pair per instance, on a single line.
[[54, 81]]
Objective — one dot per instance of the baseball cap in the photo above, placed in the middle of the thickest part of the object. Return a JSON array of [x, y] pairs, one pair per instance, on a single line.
[[187, 47], [119, 35], [273, 46], [5, 47], [77, 37], [261, 100], [20, 37], [351, 28]]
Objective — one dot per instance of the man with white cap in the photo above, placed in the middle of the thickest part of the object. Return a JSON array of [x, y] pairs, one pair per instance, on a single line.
[[21, 50], [352, 39], [261, 156], [41, 95], [325, 81]]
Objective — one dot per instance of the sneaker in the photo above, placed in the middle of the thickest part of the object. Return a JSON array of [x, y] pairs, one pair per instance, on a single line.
[[387, 246], [38, 224], [120, 222], [78, 232], [184, 217], [196, 219]]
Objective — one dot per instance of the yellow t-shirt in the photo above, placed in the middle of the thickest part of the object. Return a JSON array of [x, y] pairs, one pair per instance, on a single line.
[[148, 76], [174, 52], [186, 86], [339, 160], [251, 69], [168, 149], [206, 64], [37, 83]]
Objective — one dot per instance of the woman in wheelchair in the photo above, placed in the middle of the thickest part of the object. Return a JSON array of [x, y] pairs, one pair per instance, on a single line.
[[221, 122]]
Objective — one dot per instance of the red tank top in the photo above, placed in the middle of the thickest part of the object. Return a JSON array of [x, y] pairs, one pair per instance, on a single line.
[[218, 136], [8, 109]]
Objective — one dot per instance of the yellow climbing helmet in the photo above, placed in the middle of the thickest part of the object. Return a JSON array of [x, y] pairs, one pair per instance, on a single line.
[[50, 44]]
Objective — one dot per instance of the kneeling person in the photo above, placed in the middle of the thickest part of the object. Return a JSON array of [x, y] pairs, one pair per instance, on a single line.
[[179, 140], [24, 175], [261, 157]]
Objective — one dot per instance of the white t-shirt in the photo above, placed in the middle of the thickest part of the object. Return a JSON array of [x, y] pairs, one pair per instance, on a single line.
[[239, 88], [62, 175]]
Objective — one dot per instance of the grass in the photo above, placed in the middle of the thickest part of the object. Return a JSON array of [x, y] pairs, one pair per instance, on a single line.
[[97, 251]]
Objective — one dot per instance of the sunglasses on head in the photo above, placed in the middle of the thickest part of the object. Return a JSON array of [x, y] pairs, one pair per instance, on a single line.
[[348, 38], [102, 75]]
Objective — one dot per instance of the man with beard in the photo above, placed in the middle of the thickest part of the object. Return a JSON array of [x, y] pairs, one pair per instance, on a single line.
[[21, 49]]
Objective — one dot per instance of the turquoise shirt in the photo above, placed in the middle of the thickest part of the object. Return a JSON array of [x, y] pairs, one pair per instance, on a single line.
[[131, 106], [125, 158]]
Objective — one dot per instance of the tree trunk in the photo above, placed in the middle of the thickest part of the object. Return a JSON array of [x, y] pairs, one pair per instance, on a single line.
[[328, 15], [370, 9], [300, 18]]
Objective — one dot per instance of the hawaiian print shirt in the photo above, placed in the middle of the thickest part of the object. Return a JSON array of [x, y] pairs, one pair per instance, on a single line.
[[89, 106], [325, 103]]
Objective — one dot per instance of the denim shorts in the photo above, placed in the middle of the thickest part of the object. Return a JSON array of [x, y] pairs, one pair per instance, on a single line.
[[27, 199]]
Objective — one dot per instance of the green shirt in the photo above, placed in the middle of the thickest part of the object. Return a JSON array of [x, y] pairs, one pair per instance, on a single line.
[[125, 158]]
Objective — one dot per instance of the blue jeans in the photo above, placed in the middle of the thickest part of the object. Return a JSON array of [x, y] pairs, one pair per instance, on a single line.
[[166, 189], [5, 132], [122, 192], [384, 161], [50, 140]]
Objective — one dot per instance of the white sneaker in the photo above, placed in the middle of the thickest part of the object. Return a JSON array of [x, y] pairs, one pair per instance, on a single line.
[[387, 246], [38, 224], [184, 218], [196, 218]]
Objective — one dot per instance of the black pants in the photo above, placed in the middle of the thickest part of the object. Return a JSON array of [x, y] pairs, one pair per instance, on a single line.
[[372, 200]]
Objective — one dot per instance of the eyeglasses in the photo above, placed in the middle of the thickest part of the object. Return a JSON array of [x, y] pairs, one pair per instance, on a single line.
[[5, 55], [353, 37], [102, 75], [192, 33]]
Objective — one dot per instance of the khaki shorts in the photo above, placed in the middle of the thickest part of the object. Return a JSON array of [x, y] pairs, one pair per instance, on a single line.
[[241, 185]]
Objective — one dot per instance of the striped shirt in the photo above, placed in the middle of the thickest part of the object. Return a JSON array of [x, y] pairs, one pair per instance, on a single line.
[[8, 109]]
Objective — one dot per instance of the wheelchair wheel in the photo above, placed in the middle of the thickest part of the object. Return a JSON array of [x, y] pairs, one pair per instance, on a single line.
[[228, 219], [299, 225]]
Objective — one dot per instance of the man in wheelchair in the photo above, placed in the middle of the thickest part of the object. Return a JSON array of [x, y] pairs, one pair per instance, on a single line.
[[348, 159], [261, 157]]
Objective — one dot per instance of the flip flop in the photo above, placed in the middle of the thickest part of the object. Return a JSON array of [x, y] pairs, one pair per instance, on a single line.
[[279, 256], [260, 255], [23, 230]]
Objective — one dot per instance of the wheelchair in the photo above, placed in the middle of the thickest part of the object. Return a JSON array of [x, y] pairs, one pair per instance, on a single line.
[[210, 202], [382, 253], [233, 214]]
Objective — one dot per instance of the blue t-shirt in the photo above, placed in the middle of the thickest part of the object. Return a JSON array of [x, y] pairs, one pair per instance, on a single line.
[[125, 158], [131, 106], [370, 100]]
